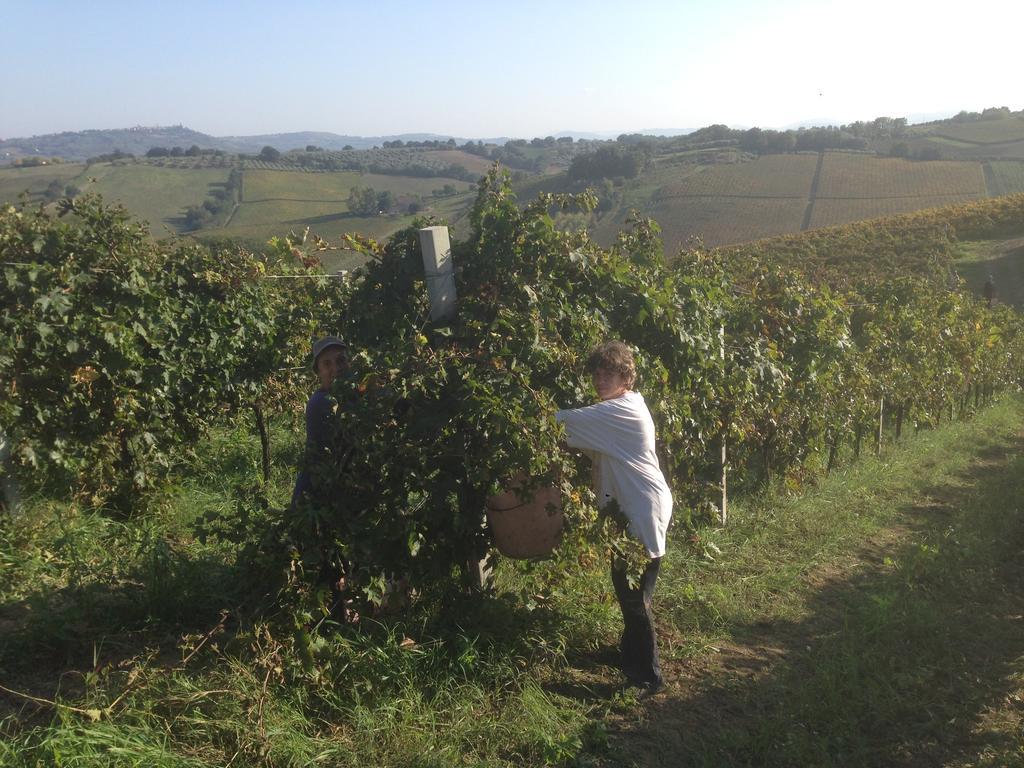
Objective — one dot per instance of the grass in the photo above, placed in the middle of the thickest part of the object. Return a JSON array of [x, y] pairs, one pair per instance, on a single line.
[[734, 203], [845, 175], [720, 220], [1003, 259], [276, 202], [831, 212], [985, 131], [722, 203], [872, 619], [1007, 177], [774, 176], [155, 195], [34, 180]]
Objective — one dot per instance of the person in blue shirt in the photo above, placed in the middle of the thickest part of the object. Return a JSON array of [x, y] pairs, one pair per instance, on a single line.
[[330, 360]]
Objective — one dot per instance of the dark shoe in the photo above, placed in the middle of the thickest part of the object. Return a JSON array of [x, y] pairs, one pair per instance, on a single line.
[[647, 687], [652, 689]]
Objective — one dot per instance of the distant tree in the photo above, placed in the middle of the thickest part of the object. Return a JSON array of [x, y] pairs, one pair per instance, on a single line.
[[313, 148], [607, 196], [362, 201], [195, 217], [385, 201], [565, 139], [715, 132], [193, 151], [608, 162], [347, 148], [929, 153], [995, 113], [158, 152], [450, 142], [900, 149], [53, 190], [177, 152], [269, 154]]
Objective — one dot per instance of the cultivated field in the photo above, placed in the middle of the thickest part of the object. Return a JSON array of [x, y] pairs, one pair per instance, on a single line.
[[276, 202], [257, 222], [845, 175], [153, 194], [15, 181], [1005, 177], [735, 203], [715, 220], [722, 202], [473, 163], [267, 186], [984, 131], [768, 176], [156, 195], [829, 212]]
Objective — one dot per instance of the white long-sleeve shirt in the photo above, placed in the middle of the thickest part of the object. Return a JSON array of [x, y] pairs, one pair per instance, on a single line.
[[619, 435]]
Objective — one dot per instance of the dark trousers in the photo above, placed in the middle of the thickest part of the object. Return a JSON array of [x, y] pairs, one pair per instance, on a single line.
[[639, 646]]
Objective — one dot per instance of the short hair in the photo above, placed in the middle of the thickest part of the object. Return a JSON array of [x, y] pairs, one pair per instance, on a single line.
[[614, 356]]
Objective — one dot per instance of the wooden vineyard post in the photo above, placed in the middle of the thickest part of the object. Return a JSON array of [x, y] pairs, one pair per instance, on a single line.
[[881, 413], [10, 501], [723, 515], [439, 271]]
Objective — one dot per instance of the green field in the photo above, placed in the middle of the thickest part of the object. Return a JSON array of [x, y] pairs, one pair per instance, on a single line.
[[1005, 177], [152, 194], [277, 202], [156, 195], [715, 220], [473, 163], [845, 175], [768, 176], [274, 202], [829, 212], [733, 203], [15, 181], [984, 131], [1002, 259], [720, 195]]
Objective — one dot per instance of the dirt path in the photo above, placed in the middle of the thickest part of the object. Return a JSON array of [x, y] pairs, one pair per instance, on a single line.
[[909, 650], [1004, 260], [813, 194]]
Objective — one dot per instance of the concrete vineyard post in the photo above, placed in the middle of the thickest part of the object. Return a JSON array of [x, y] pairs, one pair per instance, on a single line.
[[439, 271]]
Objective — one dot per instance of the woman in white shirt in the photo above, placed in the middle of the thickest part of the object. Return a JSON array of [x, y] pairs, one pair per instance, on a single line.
[[618, 435]]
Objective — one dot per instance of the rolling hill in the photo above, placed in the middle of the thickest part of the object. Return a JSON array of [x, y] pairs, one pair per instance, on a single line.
[[717, 185]]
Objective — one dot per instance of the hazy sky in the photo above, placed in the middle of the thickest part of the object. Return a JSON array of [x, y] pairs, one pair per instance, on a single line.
[[478, 69]]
